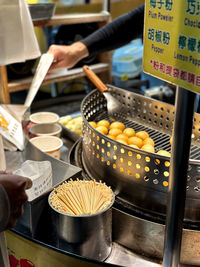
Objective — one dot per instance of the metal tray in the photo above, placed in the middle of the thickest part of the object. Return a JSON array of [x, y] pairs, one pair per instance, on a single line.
[[42, 11], [68, 133], [36, 212]]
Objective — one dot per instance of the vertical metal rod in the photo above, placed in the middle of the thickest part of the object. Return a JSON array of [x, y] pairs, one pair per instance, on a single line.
[[106, 5], [184, 111]]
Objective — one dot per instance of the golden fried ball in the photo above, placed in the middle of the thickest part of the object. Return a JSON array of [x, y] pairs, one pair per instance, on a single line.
[[134, 146], [129, 132], [118, 125], [171, 139], [115, 131], [148, 141], [122, 141], [103, 123], [102, 129], [111, 136], [142, 134], [122, 137], [134, 140], [148, 148], [164, 153], [93, 124]]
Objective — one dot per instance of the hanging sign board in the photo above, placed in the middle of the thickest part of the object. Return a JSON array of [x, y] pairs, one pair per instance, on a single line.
[[172, 41]]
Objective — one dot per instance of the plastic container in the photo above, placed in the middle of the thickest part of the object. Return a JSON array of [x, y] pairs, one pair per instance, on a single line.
[[127, 62], [153, 81]]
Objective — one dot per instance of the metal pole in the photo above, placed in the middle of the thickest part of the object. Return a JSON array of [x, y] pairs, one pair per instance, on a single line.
[[106, 5], [184, 111]]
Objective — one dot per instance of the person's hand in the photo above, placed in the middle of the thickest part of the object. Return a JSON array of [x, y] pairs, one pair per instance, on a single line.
[[66, 56], [15, 187]]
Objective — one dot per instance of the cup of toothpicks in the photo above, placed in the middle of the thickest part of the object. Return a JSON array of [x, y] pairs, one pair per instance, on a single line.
[[81, 197], [81, 217]]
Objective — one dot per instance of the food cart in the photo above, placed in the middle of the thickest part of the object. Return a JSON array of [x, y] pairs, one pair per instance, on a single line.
[[151, 190]]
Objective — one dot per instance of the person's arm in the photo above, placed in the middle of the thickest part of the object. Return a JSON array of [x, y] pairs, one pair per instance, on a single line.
[[4, 209], [12, 198], [66, 56], [113, 35], [119, 32]]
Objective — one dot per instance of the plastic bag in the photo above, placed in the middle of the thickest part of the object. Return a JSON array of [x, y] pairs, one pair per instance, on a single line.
[[40, 172]]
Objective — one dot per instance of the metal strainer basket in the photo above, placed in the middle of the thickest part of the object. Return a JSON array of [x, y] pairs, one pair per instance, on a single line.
[[137, 176]]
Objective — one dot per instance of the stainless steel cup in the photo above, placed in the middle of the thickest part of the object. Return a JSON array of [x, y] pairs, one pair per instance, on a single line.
[[87, 235]]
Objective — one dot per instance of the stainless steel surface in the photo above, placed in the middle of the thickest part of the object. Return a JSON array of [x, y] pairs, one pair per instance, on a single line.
[[143, 232], [60, 170], [123, 257], [33, 219], [130, 233], [114, 108], [87, 235], [139, 177], [145, 237], [185, 101]]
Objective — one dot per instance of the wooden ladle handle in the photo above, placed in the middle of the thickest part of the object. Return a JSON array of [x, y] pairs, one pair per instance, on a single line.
[[94, 79]]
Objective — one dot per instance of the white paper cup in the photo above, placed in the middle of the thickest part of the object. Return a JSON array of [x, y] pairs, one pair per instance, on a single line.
[[44, 117], [51, 145], [53, 129]]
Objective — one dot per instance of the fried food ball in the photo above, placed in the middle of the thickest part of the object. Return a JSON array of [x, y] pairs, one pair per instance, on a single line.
[[122, 141], [93, 124], [164, 153], [148, 141], [122, 137], [134, 140], [115, 131], [142, 134], [129, 132], [73, 124], [111, 136], [103, 123], [134, 146], [118, 125], [65, 120], [102, 129], [171, 140], [148, 148]]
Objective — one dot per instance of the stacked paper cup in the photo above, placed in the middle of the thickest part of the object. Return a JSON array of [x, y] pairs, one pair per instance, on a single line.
[[45, 132]]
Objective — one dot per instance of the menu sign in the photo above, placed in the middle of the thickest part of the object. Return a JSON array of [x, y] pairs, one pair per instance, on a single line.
[[172, 41]]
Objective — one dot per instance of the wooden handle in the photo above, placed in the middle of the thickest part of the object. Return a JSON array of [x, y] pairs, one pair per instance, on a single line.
[[94, 79]]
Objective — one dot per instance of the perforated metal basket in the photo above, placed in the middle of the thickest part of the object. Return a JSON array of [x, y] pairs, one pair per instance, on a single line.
[[137, 176]]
